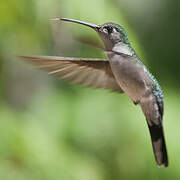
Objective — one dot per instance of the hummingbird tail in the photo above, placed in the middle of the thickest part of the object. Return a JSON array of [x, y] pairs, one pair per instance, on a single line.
[[159, 146], [153, 110]]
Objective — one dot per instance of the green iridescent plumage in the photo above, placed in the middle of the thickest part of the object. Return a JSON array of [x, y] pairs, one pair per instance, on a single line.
[[157, 89]]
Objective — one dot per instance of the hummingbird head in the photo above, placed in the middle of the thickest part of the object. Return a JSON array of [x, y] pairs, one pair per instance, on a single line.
[[110, 33]]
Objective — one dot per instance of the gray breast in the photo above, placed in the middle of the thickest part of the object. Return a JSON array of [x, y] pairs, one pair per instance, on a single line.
[[131, 75]]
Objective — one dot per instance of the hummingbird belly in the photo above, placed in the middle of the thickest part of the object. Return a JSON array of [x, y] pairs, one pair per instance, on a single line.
[[131, 76]]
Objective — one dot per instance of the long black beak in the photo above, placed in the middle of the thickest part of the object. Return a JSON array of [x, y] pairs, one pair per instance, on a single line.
[[93, 26]]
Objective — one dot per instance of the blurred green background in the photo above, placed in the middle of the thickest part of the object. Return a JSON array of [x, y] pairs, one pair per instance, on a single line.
[[51, 130]]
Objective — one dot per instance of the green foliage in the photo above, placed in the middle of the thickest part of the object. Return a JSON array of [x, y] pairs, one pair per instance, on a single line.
[[79, 137]]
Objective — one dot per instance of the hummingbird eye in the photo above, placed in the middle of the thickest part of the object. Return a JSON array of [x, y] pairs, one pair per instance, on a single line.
[[108, 29]]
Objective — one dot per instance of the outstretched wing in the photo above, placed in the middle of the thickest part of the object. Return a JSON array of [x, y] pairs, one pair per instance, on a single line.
[[88, 72]]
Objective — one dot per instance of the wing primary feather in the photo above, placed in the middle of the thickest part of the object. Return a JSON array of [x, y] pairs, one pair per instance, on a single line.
[[61, 69], [89, 72]]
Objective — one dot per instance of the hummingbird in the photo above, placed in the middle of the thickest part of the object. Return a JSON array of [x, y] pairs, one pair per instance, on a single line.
[[122, 71]]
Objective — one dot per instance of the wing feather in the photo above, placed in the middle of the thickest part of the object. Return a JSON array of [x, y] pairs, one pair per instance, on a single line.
[[89, 72]]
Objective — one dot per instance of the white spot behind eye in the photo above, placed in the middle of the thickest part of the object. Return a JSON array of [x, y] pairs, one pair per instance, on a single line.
[[114, 30]]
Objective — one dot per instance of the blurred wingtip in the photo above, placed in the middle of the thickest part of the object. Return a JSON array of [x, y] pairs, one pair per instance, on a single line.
[[28, 58], [23, 56]]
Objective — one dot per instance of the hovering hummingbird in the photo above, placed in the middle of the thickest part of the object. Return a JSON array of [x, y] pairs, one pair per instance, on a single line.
[[122, 72]]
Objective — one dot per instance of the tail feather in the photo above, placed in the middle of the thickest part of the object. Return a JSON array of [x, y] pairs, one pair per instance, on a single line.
[[159, 146], [153, 111]]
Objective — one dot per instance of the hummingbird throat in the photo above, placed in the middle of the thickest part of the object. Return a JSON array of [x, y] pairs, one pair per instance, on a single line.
[[123, 48]]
